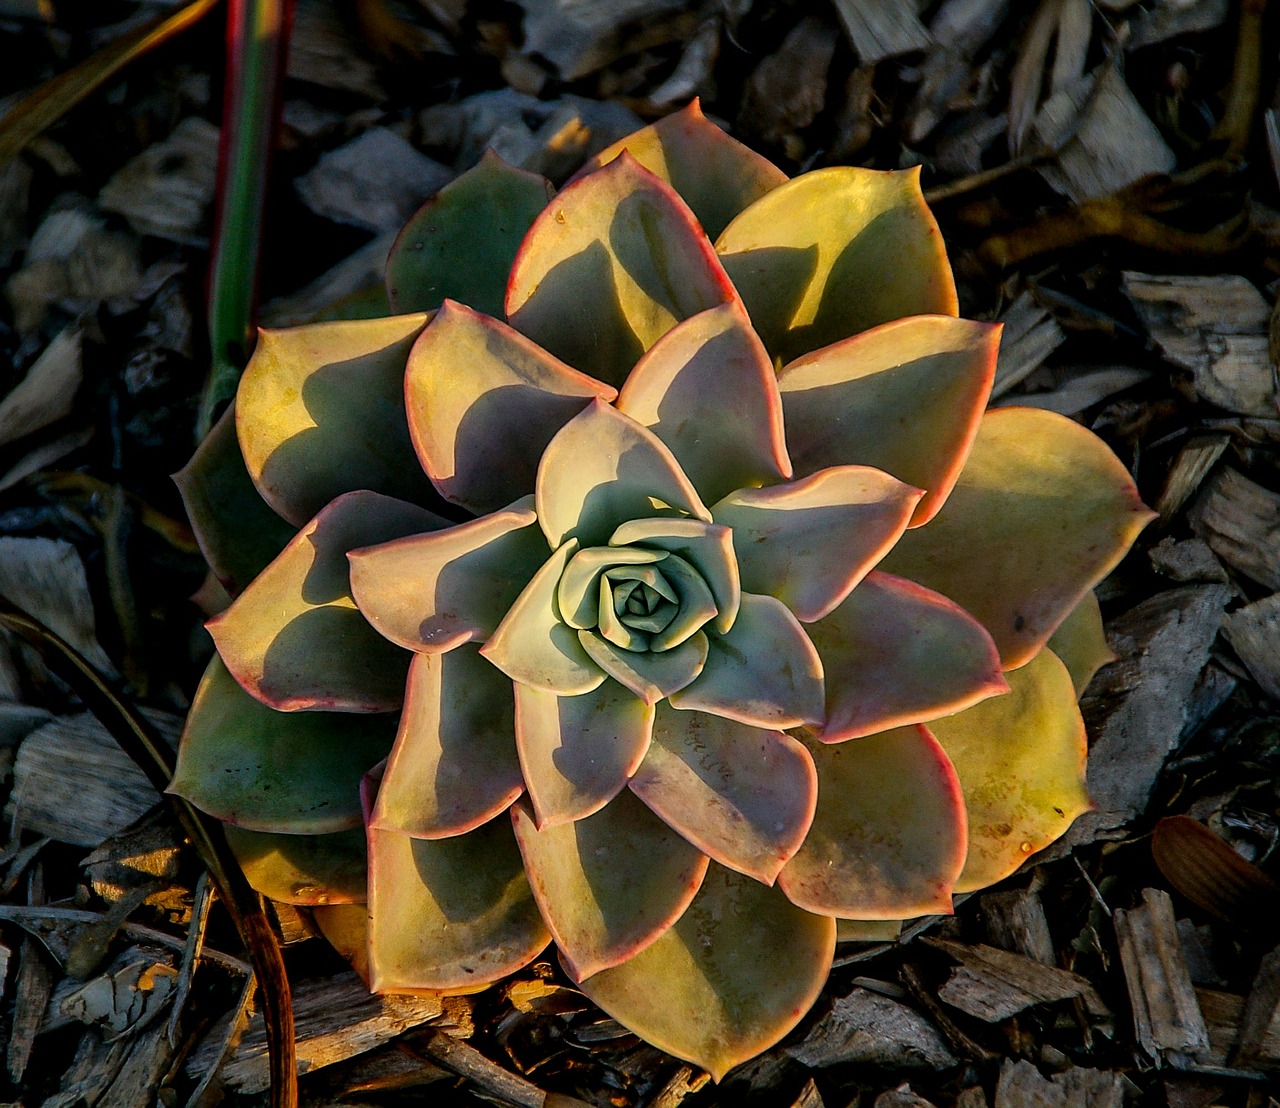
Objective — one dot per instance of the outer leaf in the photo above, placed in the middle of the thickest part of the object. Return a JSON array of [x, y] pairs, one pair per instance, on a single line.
[[1020, 759], [738, 971], [714, 174], [268, 637], [895, 653], [534, 647], [1046, 511], [483, 402], [610, 884], [291, 773], [764, 671], [1080, 643], [302, 869], [454, 764], [431, 592], [602, 470], [577, 752], [834, 252], [607, 269], [345, 927], [320, 412], [888, 837], [811, 541], [238, 534], [741, 794], [448, 913], [708, 547], [707, 389], [868, 930], [460, 244], [905, 397], [649, 675]]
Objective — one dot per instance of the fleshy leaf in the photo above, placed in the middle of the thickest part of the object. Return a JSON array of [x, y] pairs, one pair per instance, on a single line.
[[738, 971], [811, 541], [715, 175], [578, 594], [345, 927], [610, 884], [1081, 644], [708, 390], [454, 763], [895, 653], [447, 913], [295, 639], [708, 547], [302, 869], [238, 533], [431, 592], [834, 252], [868, 930], [483, 401], [605, 271], [741, 794], [1045, 509], [764, 671], [320, 412], [577, 752], [460, 244], [294, 773], [1020, 759], [533, 647], [905, 397], [888, 837], [649, 675], [695, 604], [603, 469]]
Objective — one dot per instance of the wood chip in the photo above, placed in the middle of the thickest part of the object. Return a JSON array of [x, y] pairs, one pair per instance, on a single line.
[[1166, 1015], [1196, 458], [1254, 634], [959, 30], [1103, 138], [1240, 520], [1259, 1013], [47, 392], [47, 579], [167, 190], [901, 1097], [322, 52], [376, 181], [356, 273], [337, 1018], [992, 984], [1222, 1013], [1177, 17], [31, 991], [1021, 1086], [808, 1097], [1030, 335], [15, 193], [72, 782], [1136, 707], [870, 1029], [581, 36], [882, 29], [1016, 922], [788, 88], [1189, 560], [1084, 390], [1215, 327]]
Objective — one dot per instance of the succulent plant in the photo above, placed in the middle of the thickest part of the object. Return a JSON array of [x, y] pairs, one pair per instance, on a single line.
[[697, 607]]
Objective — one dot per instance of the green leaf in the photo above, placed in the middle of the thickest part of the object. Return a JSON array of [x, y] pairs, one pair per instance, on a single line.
[[295, 639], [302, 869], [320, 412], [239, 535], [714, 174], [1040, 514], [295, 773], [905, 397], [833, 252], [742, 794], [1021, 760], [610, 884], [737, 972], [651, 675], [460, 244], [888, 837], [1080, 643], [607, 269]]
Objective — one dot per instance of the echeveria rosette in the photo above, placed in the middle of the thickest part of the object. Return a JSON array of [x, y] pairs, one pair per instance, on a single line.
[[734, 619]]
